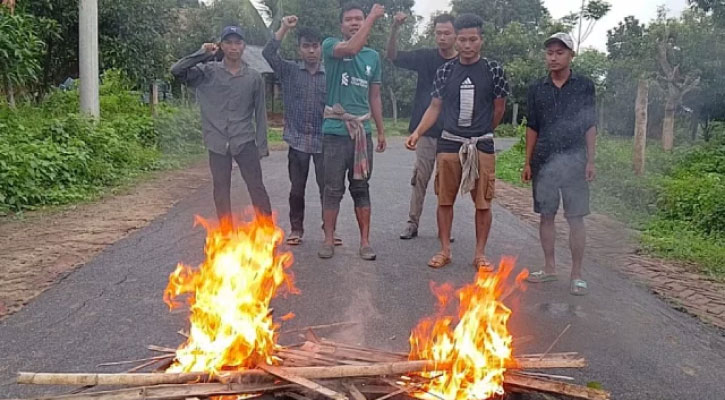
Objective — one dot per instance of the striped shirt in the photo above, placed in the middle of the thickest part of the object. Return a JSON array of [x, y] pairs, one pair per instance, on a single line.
[[303, 95]]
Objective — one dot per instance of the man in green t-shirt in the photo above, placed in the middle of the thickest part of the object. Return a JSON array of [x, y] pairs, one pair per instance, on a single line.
[[353, 74]]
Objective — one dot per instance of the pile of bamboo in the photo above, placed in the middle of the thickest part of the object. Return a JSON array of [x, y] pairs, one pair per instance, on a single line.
[[315, 368]]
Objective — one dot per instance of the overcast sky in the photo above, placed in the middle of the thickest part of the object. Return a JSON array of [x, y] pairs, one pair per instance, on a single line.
[[645, 10]]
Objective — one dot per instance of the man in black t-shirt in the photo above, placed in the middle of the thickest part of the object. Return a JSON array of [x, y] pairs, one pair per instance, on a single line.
[[425, 62], [469, 93], [560, 148]]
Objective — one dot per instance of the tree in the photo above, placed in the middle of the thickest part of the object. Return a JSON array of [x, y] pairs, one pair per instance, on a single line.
[[590, 12], [717, 7], [21, 49], [500, 13]]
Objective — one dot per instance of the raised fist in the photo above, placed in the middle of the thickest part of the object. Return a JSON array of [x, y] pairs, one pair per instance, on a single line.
[[399, 18], [290, 21], [377, 11]]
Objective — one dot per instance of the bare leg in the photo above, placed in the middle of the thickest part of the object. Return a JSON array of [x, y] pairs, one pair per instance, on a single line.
[[363, 222], [547, 234], [577, 243], [329, 218], [483, 227], [445, 223]]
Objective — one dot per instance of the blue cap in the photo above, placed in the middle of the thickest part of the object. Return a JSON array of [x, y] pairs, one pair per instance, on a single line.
[[232, 30]]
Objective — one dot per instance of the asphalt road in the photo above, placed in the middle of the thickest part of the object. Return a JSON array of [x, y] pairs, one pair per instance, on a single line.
[[111, 309]]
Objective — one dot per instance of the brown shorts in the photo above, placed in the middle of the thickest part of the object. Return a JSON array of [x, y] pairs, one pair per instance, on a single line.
[[448, 179]]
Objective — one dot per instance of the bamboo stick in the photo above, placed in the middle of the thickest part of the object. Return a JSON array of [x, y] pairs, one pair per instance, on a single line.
[[317, 372], [168, 392], [304, 382], [543, 385]]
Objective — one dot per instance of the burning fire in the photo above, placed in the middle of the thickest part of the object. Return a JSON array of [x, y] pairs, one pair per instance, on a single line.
[[229, 296], [476, 349]]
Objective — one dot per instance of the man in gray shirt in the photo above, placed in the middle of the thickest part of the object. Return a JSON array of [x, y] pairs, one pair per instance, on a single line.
[[234, 117]]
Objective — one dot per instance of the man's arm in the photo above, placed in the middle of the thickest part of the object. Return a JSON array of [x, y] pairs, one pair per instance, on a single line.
[[271, 50], [376, 109], [391, 51], [188, 69], [430, 117], [590, 114], [350, 48], [499, 108], [260, 114], [532, 132], [531, 137]]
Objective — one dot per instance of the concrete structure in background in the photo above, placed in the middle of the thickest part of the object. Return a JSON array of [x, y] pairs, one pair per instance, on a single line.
[[88, 57]]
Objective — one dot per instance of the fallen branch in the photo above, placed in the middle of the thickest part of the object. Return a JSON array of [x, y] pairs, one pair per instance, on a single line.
[[547, 386], [168, 392], [304, 382]]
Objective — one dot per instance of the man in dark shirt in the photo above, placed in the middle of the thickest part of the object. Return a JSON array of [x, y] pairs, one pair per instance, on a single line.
[[560, 149], [425, 63], [470, 94], [303, 90], [233, 116]]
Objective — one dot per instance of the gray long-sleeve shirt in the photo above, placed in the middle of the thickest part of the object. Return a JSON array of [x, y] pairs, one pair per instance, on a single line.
[[233, 109]]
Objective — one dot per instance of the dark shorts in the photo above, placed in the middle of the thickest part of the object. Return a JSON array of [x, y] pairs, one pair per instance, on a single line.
[[339, 155], [561, 179]]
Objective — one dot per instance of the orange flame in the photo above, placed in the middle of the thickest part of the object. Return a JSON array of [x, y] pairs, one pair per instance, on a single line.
[[229, 296], [474, 350]]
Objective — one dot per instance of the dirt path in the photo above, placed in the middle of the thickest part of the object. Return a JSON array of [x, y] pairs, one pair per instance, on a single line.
[[45, 247], [612, 243]]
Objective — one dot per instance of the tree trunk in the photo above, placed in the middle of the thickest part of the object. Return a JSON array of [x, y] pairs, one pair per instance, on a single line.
[[11, 95], [694, 123], [640, 126], [394, 101], [668, 125], [515, 119], [154, 98]]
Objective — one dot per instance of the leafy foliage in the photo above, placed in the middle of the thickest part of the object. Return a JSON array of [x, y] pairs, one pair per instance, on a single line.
[[52, 155]]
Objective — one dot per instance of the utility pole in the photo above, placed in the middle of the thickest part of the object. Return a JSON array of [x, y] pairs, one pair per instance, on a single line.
[[88, 57]]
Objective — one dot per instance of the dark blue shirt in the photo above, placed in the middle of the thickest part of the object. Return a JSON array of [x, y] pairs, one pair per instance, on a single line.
[[303, 95], [561, 116]]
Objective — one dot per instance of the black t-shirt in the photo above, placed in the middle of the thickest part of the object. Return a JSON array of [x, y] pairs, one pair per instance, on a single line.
[[468, 93], [560, 116], [425, 62]]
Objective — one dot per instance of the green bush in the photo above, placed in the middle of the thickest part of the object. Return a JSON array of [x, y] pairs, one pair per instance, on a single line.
[[51, 155]]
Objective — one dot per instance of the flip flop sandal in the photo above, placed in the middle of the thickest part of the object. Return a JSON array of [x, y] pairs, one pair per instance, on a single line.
[[480, 263], [294, 239], [439, 260], [326, 251], [367, 253], [541, 277], [579, 287]]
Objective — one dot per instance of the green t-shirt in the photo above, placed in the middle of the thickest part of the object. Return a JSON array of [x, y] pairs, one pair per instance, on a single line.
[[348, 83]]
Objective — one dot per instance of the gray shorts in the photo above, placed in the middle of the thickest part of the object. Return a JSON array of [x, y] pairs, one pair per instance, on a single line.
[[339, 156], [561, 179]]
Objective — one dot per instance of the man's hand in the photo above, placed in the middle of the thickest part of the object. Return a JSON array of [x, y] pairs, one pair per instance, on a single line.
[[591, 171], [289, 22], [377, 12], [412, 141], [382, 143], [399, 19], [526, 174], [210, 48]]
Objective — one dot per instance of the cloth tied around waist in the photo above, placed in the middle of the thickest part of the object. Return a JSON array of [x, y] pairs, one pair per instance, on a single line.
[[468, 155], [356, 128]]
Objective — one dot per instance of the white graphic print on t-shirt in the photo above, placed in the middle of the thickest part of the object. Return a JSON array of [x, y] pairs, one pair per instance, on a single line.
[[467, 96]]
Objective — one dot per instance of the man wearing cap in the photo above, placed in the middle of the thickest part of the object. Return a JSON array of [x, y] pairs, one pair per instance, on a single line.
[[303, 93], [233, 116], [560, 152], [469, 92], [354, 75]]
